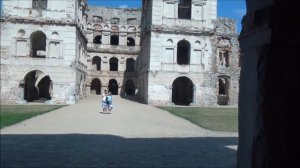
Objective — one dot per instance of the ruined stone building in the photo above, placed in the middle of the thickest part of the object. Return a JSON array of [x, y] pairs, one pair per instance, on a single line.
[[188, 55], [170, 52], [43, 51], [113, 46]]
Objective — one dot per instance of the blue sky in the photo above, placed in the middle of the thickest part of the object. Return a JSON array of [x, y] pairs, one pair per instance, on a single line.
[[226, 8]]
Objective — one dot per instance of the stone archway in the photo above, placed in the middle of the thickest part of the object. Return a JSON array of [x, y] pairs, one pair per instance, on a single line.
[[129, 88], [182, 91], [37, 86], [96, 86], [113, 87]]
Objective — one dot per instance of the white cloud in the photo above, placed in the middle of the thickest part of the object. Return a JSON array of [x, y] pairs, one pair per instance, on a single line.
[[123, 6], [240, 12]]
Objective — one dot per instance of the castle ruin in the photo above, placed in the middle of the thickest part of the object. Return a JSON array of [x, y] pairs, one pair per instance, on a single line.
[[170, 52]]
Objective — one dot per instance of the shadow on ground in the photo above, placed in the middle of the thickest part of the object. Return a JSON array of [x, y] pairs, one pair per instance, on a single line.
[[79, 150]]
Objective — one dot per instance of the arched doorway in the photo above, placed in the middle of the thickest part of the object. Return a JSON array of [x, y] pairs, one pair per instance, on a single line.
[[113, 87], [113, 64], [182, 91], [96, 86], [38, 44], [129, 88], [37, 86]]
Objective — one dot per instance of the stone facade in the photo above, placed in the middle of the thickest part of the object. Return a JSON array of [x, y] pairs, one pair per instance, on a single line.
[[113, 46], [188, 55], [43, 51], [170, 52]]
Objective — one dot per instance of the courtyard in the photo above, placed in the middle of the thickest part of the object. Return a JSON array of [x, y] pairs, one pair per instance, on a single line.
[[134, 135]]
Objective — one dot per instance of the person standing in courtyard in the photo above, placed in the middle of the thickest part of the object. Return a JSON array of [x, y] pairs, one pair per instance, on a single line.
[[104, 104], [109, 101]]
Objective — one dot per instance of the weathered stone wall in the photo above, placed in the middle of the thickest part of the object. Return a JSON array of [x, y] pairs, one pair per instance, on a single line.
[[207, 38], [103, 22], [269, 85], [65, 50], [75, 37], [202, 14]]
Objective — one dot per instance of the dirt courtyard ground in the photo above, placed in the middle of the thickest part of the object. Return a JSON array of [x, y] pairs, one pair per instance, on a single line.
[[134, 135]]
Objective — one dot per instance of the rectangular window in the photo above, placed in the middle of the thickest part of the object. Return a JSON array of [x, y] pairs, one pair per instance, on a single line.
[[184, 9], [39, 4]]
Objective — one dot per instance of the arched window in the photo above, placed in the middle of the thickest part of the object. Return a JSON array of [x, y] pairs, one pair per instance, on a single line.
[[130, 65], [97, 60], [183, 52], [39, 4], [184, 9], [113, 64], [130, 41], [114, 40], [98, 39], [38, 44]]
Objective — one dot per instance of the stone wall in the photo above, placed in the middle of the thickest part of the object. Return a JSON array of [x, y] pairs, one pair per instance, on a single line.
[[213, 54], [62, 58], [103, 24], [269, 85]]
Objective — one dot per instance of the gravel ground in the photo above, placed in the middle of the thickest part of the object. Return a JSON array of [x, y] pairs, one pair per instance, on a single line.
[[133, 135]]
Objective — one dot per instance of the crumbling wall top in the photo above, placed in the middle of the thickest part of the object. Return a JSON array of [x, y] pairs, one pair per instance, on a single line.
[[115, 15], [225, 26]]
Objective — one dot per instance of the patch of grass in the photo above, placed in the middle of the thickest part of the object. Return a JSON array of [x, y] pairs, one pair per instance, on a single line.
[[12, 114], [215, 119]]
